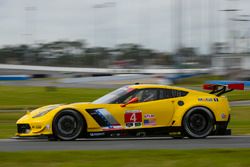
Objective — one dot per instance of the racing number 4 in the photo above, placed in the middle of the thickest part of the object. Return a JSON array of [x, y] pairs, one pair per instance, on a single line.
[[135, 116]]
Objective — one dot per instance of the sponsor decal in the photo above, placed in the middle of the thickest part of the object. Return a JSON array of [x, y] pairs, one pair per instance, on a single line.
[[223, 116], [149, 116], [128, 125], [208, 99], [97, 134], [133, 118], [118, 127], [149, 122], [138, 124]]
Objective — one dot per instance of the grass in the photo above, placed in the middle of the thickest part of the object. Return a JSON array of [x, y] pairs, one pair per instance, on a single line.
[[29, 97], [8, 123], [238, 95], [240, 117], [146, 158], [239, 124]]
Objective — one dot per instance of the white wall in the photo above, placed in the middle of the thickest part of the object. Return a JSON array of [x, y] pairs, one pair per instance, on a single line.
[[245, 61]]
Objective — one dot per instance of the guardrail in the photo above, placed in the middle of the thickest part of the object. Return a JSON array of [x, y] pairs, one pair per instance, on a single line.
[[14, 77]]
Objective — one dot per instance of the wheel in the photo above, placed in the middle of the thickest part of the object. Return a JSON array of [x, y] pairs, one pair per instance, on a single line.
[[67, 125], [198, 122]]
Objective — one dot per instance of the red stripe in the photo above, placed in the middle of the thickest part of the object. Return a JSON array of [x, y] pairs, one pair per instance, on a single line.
[[238, 86]]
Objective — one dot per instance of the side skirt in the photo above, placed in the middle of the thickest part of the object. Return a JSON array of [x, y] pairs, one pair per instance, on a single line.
[[149, 132]]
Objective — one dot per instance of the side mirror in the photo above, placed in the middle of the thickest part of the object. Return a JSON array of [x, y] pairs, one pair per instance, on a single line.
[[133, 100]]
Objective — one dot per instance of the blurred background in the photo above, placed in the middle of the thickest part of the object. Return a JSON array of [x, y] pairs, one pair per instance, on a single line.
[[66, 51], [61, 51], [123, 41]]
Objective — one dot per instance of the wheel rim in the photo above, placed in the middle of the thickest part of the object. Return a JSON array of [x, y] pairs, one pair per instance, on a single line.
[[67, 125], [198, 123]]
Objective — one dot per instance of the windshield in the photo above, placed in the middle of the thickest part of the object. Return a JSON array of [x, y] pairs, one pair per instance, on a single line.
[[113, 96]]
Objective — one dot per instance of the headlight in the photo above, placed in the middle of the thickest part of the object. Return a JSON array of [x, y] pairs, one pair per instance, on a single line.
[[45, 111]]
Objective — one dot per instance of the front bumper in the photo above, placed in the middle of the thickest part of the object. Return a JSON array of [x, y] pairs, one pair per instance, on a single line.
[[30, 129], [27, 131]]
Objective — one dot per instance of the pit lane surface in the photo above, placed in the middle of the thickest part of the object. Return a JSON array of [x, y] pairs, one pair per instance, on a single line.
[[125, 143]]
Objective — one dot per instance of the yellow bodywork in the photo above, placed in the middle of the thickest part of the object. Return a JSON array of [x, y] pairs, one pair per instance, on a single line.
[[164, 112]]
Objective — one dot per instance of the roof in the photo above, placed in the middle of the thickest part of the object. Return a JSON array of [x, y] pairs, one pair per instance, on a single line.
[[143, 86]]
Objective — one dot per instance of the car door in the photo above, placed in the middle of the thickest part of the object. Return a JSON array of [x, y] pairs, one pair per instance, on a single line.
[[150, 110]]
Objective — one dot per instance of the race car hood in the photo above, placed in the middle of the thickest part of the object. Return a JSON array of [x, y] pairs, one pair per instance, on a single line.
[[43, 109], [49, 108]]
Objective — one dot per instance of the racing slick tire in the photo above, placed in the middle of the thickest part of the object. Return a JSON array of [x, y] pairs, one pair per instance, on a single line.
[[198, 122], [67, 125]]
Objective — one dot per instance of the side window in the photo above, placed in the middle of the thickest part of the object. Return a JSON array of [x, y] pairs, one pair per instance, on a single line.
[[143, 95], [127, 97], [149, 95], [171, 93], [137, 94]]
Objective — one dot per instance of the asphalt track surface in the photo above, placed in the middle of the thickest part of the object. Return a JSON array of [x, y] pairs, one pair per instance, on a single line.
[[146, 143]]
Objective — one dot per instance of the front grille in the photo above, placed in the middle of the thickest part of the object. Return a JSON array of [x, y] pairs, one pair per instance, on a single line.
[[21, 128]]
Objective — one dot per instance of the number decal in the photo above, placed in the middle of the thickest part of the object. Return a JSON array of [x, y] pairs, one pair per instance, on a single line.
[[133, 118]]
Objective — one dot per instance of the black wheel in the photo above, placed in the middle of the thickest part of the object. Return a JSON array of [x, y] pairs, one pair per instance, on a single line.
[[198, 122], [67, 125]]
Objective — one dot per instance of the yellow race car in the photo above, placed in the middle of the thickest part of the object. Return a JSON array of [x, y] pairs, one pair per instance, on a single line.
[[135, 110]]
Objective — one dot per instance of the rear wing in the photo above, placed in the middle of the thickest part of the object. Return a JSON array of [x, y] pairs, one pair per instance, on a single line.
[[221, 87]]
